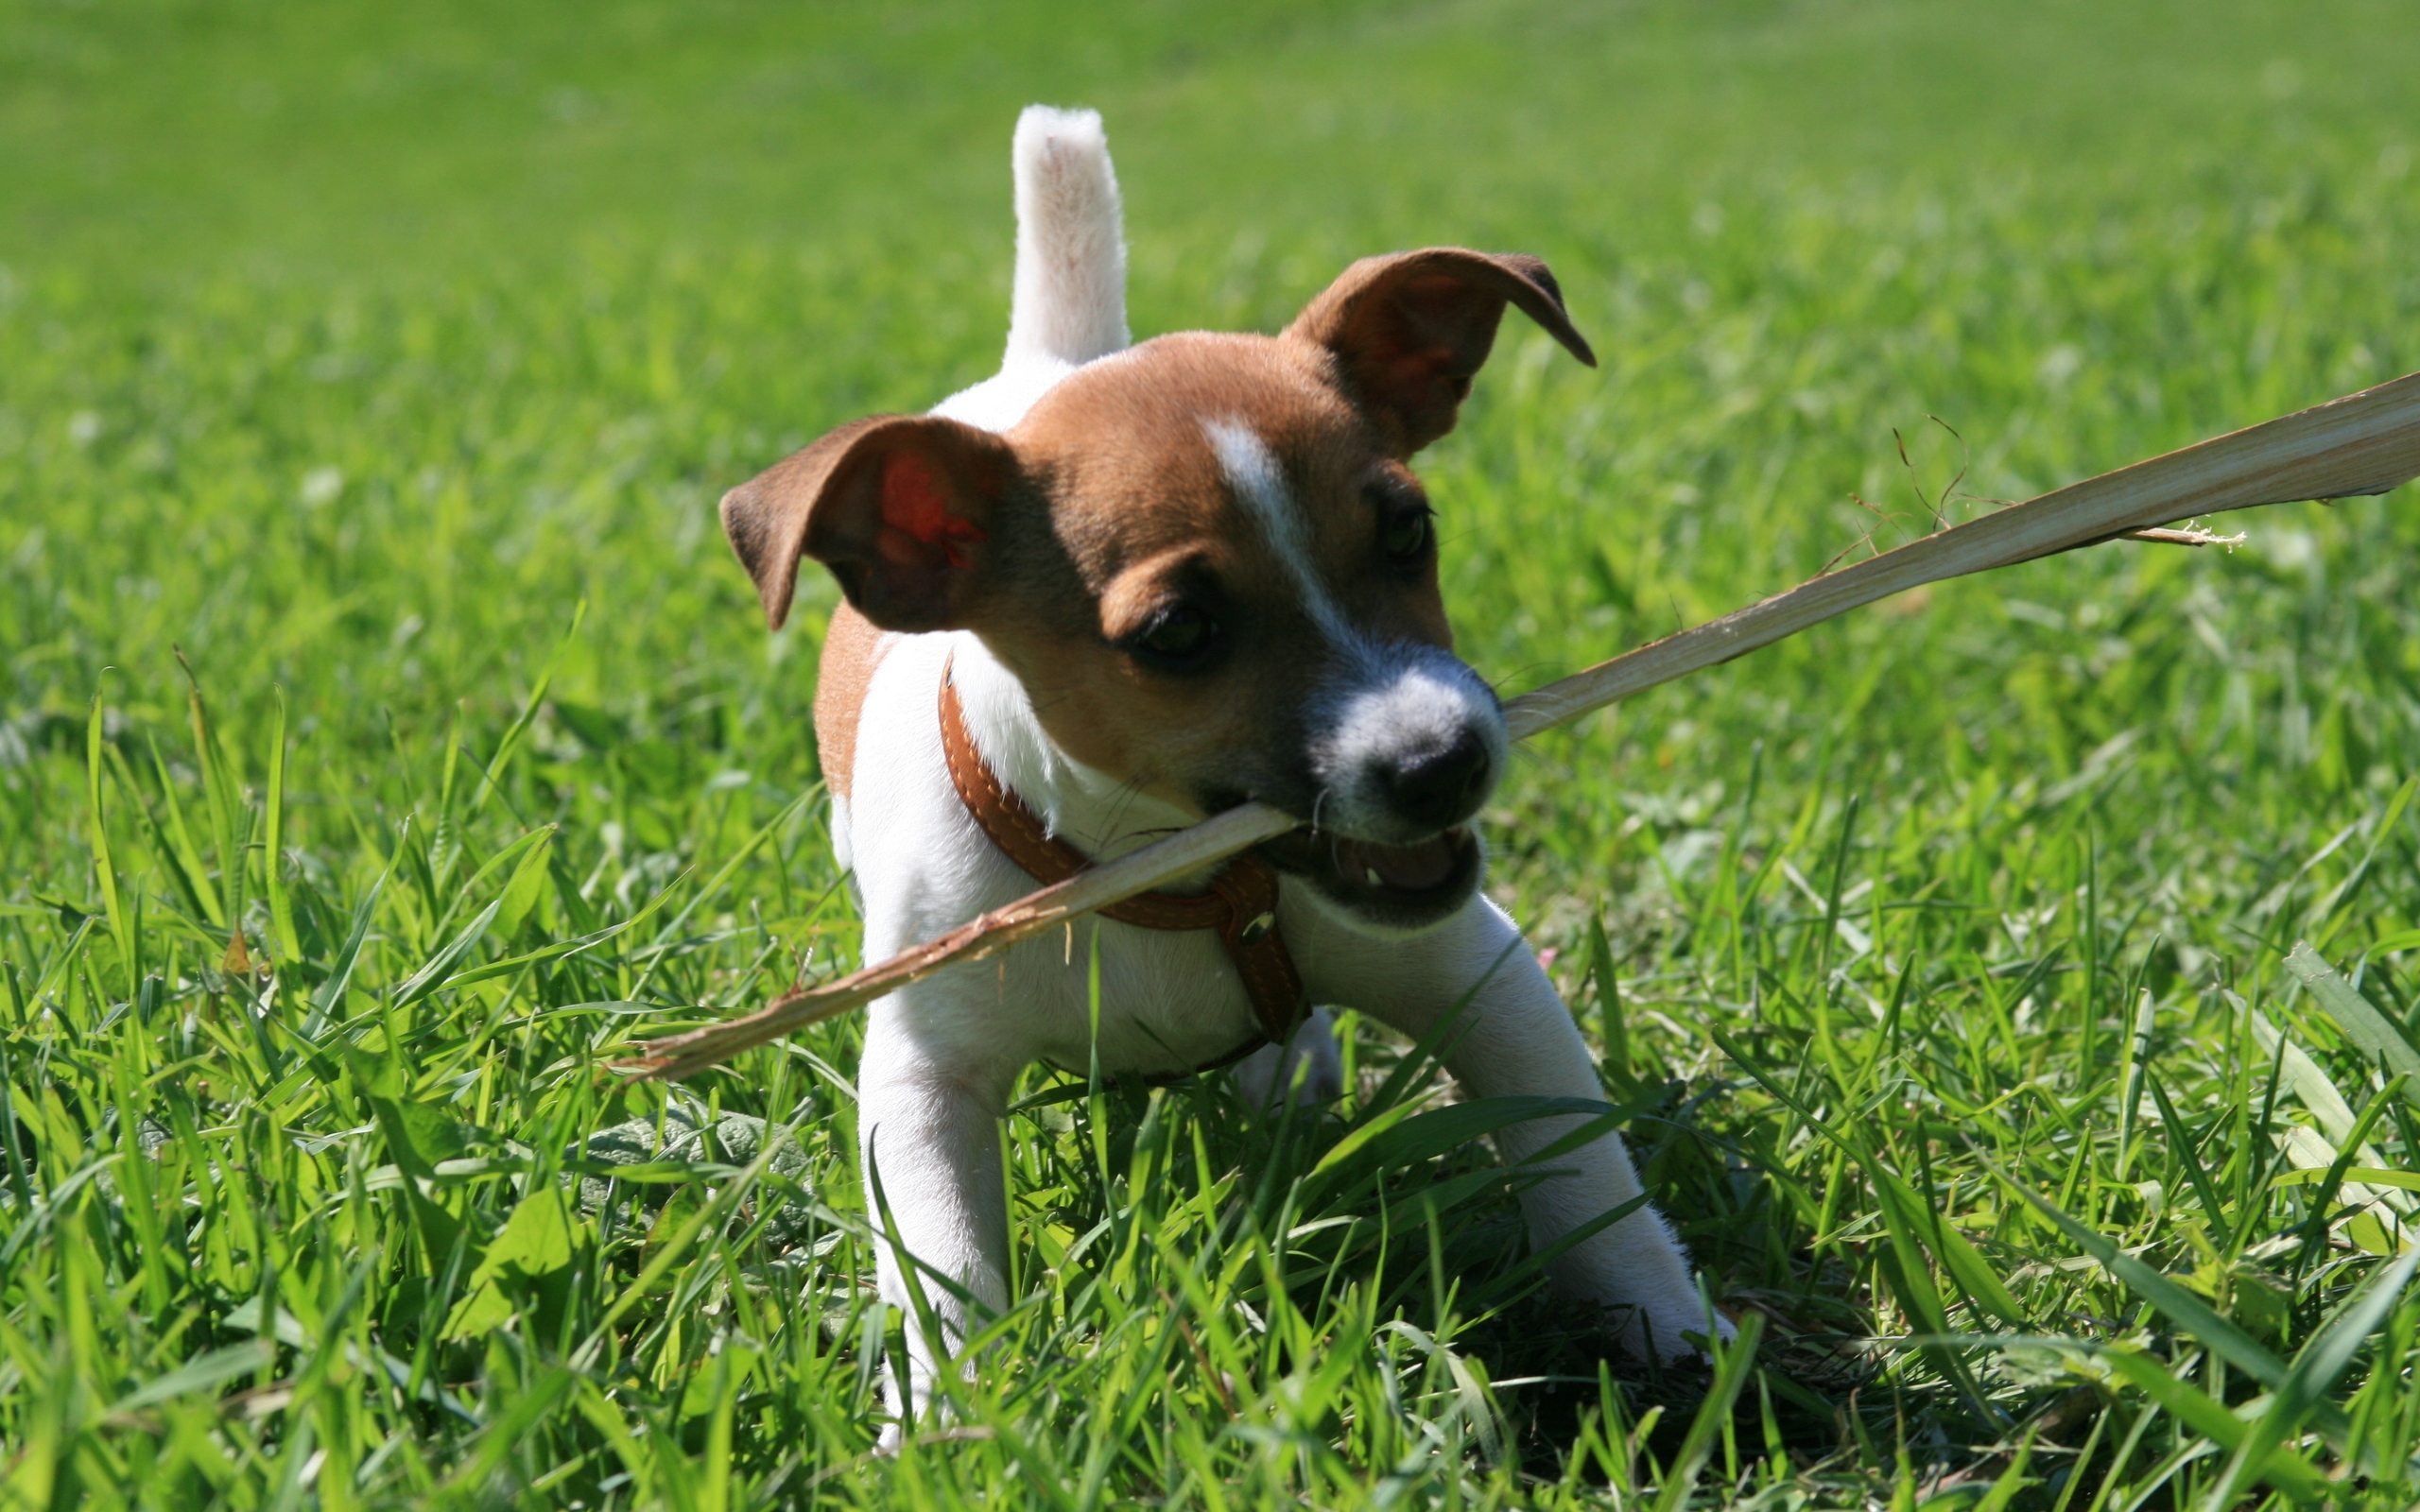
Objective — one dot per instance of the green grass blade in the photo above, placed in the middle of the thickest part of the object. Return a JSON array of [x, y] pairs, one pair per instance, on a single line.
[[331, 991], [104, 864], [2375, 1034], [1391, 1144], [2285, 1468], [1734, 1363], [493, 773], [229, 821], [2329, 914], [1612, 1029], [281, 907], [2205, 1191], [2190, 1313], [2012, 1480], [2300, 1395], [2368, 1175], [1535, 1263], [200, 1373], [187, 854], [434, 971]]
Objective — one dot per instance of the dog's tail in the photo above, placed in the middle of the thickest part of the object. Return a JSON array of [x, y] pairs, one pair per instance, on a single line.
[[1070, 302]]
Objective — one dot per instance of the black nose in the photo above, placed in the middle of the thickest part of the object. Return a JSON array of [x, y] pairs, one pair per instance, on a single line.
[[1444, 787]]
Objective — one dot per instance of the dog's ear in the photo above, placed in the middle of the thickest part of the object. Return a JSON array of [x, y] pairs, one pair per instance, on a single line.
[[899, 506], [1408, 329]]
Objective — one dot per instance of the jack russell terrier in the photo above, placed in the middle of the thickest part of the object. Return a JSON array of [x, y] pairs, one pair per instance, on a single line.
[[1117, 589]]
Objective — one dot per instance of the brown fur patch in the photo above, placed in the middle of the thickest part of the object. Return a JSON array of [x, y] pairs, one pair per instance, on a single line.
[[1143, 515], [852, 649], [1408, 329]]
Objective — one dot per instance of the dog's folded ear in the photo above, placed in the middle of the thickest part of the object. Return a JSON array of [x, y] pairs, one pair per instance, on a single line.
[[899, 506], [1408, 329]]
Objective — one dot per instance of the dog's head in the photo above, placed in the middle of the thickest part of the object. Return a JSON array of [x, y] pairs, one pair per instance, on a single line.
[[1207, 561]]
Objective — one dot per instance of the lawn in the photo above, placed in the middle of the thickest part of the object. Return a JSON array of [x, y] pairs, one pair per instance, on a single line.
[[389, 743]]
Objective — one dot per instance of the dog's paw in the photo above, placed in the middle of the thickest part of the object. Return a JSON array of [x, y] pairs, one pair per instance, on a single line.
[[1671, 1331], [1309, 1067]]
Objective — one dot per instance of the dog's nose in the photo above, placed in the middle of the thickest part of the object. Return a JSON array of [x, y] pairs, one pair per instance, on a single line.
[[1444, 787]]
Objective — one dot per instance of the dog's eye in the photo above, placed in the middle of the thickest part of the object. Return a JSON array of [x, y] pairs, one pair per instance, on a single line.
[[1178, 638], [1405, 536]]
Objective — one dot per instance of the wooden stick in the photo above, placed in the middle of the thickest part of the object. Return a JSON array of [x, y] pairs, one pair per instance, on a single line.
[[2363, 443], [1161, 862]]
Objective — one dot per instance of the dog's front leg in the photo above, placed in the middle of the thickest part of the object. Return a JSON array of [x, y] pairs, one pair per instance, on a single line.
[[1308, 1069], [1514, 1039], [928, 1140]]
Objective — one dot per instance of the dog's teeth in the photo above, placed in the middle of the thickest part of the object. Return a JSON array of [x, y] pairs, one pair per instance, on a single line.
[[1370, 875]]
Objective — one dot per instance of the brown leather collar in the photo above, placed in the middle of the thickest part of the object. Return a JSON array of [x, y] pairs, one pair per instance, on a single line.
[[1241, 903]]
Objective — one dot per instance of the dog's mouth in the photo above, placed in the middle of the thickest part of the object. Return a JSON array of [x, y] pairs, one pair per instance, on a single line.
[[1404, 887]]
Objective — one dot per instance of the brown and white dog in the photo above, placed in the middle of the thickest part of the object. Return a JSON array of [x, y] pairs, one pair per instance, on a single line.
[[1162, 580]]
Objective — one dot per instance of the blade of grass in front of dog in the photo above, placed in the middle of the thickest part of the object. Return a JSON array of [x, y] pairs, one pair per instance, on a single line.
[[1428, 1054], [1095, 1108], [1392, 1141], [1732, 1364], [1533, 1265], [1611, 1029], [914, 1274]]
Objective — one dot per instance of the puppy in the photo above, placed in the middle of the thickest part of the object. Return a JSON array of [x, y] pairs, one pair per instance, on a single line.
[[1117, 589]]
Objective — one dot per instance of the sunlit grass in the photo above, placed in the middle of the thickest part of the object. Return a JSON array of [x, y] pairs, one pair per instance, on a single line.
[[389, 743]]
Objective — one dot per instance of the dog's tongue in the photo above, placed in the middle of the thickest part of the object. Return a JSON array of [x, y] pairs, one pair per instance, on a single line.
[[1400, 867]]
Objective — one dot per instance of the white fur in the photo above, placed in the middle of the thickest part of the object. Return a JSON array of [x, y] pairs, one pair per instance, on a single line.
[[1308, 1067], [941, 1055], [1069, 304], [1252, 471], [1071, 249]]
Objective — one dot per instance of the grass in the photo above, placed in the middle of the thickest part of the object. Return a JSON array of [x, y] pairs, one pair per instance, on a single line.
[[1945, 958]]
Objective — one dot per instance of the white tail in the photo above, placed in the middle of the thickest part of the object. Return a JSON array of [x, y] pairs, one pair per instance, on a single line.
[[1070, 300]]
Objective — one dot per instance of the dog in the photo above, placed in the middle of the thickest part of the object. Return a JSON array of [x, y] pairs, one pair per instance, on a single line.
[[1112, 590]]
